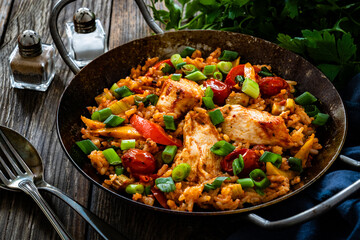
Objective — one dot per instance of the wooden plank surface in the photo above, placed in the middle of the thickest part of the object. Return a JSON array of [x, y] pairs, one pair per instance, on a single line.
[[5, 7]]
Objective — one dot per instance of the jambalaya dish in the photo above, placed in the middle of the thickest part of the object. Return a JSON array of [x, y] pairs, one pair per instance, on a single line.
[[192, 133]]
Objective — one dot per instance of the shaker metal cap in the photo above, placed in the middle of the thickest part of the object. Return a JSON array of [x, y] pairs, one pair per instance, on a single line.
[[84, 20], [29, 43]]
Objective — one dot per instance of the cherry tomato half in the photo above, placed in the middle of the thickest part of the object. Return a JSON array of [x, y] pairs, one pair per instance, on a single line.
[[250, 161], [139, 161], [270, 86], [220, 89]]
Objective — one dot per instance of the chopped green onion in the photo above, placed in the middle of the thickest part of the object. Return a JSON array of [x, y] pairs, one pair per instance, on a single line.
[[215, 184], [256, 174], [245, 182], [112, 90], [305, 99], [265, 72], [176, 76], [169, 153], [224, 67], [180, 65], [320, 119], [176, 59], [180, 172], [295, 164], [188, 51], [119, 170], [275, 159], [111, 156], [238, 165], [150, 99], [196, 76], [218, 76], [189, 68], [227, 55], [87, 146], [311, 110], [113, 121], [216, 117], [209, 69], [138, 100], [259, 191], [208, 102], [167, 68], [209, 92], [134, 188], [251, 88], [101, 115], [147, 191], [239, 79], [169, 122], [123, 91], [165, 184], [127, 144], [222, 148]]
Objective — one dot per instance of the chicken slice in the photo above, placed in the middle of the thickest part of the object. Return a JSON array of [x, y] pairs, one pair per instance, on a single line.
[[179, 97], [199, 136], [254, 126]]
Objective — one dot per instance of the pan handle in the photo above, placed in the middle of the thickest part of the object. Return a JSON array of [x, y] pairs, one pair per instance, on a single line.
[[149, 20], [352, 162], [56, 36], [308, 214]]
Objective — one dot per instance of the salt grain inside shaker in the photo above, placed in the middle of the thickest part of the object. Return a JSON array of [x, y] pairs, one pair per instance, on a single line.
[[32, 63], [87, 39]]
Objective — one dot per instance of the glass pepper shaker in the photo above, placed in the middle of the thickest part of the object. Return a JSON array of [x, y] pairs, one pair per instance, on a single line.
[[32, 63], [87, 39]]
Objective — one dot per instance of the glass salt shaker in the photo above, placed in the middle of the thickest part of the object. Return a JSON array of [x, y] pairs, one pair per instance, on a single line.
[[87, 39], [32, 63]]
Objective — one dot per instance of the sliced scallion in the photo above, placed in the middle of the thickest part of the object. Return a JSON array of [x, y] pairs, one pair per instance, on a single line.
[[227, 55], [215, 184], [111, 156], [112, 90], [265, 72], [165, 184], [101, 115], [169, 122], [224, 67], [180, 65], [134, 188], [176, 76], [188, 51], [275, 159], [305, 99], [311, 110], [251, 88], [150, 99], [176, 59], [119, 170], [169, 153], [167, 68], [180, 172], [209, 92], [124, 91], [259, 178], [239, 79], [87, 146], [295, 164], [320, 119], [189, 68], [222, 148], [245, 182], [147, 190], [208, 102], [209, 69], [113, 121], [127, 144], [216, 117], [238, 165], [196, 76], [218, 76]]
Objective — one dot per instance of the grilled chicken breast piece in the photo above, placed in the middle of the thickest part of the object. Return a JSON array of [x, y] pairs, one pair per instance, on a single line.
[[179, 97], [254, 126], [199, 136]]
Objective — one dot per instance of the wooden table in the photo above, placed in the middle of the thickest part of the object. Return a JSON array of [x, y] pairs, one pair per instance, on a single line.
[[33, 114]]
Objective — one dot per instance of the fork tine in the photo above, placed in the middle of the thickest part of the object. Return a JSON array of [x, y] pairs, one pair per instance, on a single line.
[[3, 178], [7, 169], [15, 153]]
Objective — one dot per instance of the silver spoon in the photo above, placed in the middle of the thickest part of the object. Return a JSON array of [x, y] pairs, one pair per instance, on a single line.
[[33, 160]]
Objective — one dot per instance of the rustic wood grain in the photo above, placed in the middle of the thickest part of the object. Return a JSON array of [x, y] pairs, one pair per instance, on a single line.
[[5, 7]]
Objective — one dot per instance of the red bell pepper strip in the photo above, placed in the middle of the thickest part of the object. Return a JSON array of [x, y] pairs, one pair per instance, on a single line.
[[160, 197], [153, 131]]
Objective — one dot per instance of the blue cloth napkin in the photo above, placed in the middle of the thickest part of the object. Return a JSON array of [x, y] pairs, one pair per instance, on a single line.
[[342, 222]]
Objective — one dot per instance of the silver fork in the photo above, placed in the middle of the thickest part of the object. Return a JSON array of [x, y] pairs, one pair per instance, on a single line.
[[24, 181]]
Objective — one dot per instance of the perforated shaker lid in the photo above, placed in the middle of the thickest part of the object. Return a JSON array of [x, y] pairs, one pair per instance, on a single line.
[[29, 43], [84, 20]]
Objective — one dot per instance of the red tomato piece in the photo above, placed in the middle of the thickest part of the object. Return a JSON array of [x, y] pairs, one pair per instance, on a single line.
[[235, 71], [270, 86], [160, 197], [139, 161], [157, 65], [153, 131], [250, 161], [220, 89]]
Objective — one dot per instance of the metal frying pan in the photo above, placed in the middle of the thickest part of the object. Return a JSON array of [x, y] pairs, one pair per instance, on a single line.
[[116, 64]]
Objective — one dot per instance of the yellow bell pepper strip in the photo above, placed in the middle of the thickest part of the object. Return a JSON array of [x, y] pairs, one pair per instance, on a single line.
[[123, 132], [236, 62], [92, 124], [303, 153], [103, 95], [122, 105], [249, 71], [272, 170]]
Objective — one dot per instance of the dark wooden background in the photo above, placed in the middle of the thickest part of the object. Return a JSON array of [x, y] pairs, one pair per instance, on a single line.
[[33, 114]]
